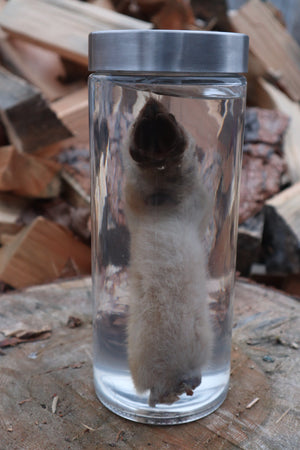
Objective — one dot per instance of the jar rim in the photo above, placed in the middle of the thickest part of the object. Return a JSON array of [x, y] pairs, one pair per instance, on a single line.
[[168, 51]]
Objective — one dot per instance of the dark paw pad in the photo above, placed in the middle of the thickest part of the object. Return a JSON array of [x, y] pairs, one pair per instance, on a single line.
[[157, 139]]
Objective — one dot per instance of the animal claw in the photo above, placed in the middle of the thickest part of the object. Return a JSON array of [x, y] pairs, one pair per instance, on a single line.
[[169, 397]]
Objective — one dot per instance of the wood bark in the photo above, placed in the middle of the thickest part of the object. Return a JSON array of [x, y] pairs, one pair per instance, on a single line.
[[29, 121], [263, 164], [282, 232]]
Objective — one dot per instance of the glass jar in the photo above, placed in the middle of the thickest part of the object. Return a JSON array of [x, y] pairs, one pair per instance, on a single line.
[[166, 132]]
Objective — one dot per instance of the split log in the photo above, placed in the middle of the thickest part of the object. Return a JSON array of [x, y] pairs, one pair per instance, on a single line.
[[285, 283], [212, 11], [39, 66], [291, 140], [291, 285], [103, 3], [264, 125], [281, 239], [30, 123], [73, 110], [62, 213], [260, 180], [76, 176], [263, 164], [165, 14], [174, 15], [74, 71], [249, 242], [40, 252], [74, 192], [27, 175], [6, 238], [73, 21], [270, 42], [257, 95], [11, 209]]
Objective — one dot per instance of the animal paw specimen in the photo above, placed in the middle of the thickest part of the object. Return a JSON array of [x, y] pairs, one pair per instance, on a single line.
[[169, 331]]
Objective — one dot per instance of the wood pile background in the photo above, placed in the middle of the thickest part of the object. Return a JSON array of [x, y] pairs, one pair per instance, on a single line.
[[44, 156]]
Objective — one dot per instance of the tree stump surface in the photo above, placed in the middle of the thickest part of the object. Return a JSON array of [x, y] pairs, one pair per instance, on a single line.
[[46, 386]]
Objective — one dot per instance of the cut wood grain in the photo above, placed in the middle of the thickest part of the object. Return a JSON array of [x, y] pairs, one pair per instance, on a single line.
[[73, 21], [291, 142], [73, 110], [62, 366], [103, 3], [11, 209], [282, 232], [27, 175], [76, 175], [271, 43], [257, 96], [76, 219], [39, 66], [40, 252], [29, 121], [74, 192], [6, 238]]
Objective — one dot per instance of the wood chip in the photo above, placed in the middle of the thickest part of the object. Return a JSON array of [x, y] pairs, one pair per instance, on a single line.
[[25, 401], [28, 336], [88, 428], [74, 322], [54, 404], [77, 365], [252, 403], [283, 415], [120, 435]]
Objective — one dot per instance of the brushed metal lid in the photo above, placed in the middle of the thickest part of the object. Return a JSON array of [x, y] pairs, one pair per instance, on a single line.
[[168, 51]]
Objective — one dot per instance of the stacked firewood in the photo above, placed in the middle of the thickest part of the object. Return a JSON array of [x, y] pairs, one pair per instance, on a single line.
[[44, 156], [269, 232]]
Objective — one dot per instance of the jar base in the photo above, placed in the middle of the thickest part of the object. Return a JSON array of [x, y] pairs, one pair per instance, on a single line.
[[134, 407]]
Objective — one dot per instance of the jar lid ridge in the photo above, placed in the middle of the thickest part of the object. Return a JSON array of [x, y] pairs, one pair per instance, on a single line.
[[168, 51]]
